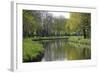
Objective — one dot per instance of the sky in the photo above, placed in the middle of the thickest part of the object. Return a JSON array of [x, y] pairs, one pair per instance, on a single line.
[[64, 14]]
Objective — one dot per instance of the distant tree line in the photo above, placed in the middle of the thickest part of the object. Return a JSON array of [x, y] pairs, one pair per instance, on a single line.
[[43, 23]]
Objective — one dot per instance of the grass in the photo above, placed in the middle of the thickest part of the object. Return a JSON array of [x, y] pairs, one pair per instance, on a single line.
[[31, 49], [49, 38], [79, 39]]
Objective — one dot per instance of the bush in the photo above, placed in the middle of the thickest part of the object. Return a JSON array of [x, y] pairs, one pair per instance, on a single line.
[[32, 51]]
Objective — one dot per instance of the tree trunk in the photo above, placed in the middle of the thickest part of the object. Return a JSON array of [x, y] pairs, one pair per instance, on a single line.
[[84, 33]]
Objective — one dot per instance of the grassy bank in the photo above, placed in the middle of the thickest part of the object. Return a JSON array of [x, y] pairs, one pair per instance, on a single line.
[[32, 51], [50, 38], [79, 39]]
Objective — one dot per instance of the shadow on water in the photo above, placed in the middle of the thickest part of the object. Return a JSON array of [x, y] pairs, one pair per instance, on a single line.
[[64, 50]]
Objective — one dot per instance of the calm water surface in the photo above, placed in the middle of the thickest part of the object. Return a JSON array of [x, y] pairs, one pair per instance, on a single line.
[[64, 50]]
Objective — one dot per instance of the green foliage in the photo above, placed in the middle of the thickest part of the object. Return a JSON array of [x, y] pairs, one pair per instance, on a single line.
[[31, 22], [79, 23], [79, 39], [31, 49], [74, 22], [86, 24], [28, 22], [42, 23]]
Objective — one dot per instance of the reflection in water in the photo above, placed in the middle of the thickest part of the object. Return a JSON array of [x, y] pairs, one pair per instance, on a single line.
[[64, 50]]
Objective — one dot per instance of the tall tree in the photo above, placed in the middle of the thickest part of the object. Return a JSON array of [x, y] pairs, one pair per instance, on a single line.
[[31, 22], [79, 23], [73, 23], [86, 24]]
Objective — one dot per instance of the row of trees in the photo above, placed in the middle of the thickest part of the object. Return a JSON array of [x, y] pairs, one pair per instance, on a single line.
[[42, 23]]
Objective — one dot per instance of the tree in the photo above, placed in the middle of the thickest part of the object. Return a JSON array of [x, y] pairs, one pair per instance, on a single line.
[[59, 25], [79, 23], [86, 24], [47, 24], [31, 22], [73, 24]]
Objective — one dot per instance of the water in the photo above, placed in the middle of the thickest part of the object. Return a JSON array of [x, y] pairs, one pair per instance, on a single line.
[[60, 50]]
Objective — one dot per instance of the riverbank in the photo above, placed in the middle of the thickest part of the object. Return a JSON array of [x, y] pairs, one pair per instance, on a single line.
[[76, 48], [50, 38]]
